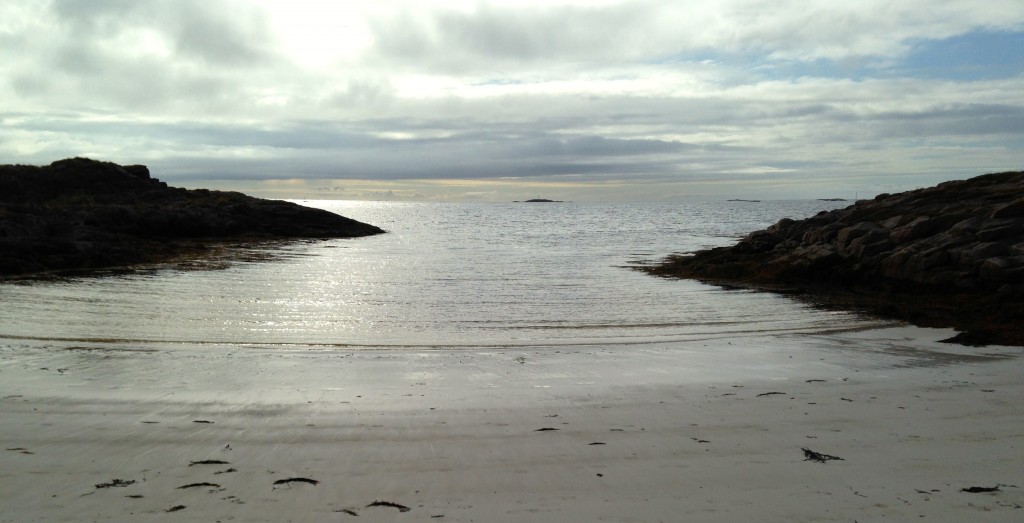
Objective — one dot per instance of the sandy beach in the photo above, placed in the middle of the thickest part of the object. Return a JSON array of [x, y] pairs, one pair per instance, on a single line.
[[718, 430]]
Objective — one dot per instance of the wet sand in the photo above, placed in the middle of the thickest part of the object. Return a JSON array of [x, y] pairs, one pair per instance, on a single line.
[[711, 431]]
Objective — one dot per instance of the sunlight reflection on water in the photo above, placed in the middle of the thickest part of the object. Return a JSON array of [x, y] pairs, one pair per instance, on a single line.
[[445, 275]]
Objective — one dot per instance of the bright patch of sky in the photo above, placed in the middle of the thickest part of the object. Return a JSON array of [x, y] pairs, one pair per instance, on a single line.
[[972, 56], [979, 55]]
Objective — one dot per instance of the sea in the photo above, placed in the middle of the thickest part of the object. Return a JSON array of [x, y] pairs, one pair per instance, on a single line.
[[446, 276]]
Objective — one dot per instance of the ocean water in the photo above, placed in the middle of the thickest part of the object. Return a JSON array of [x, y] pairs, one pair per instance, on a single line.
[[445, 276]]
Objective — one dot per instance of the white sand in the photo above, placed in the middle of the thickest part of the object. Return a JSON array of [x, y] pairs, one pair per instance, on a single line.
[[685, 433]]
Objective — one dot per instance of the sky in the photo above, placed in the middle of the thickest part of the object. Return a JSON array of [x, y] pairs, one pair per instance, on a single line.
[[633, 100]]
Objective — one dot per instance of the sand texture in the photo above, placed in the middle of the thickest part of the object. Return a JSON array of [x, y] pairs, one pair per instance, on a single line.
[[726, 430]]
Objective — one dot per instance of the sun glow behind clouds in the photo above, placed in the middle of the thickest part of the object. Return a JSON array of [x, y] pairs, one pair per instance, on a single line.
[[325, 33], [319, 34]]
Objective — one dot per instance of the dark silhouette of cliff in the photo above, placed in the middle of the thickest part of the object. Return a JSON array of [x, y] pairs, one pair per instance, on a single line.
[[84, 214], [950, 255]]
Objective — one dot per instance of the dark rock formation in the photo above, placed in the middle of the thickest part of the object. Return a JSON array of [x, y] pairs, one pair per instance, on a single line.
[[950, 255], [84, 214]]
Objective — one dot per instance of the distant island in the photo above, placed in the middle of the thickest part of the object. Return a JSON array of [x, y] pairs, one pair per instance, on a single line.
[[742, 200], [82, 214], [538, 200], [832, 199], [950, 256]]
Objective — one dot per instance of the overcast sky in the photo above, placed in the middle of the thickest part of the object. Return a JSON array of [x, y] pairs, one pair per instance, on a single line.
[[501, 100]]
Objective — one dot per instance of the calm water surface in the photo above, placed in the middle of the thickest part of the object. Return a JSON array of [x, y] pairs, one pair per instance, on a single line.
[[445, 276]]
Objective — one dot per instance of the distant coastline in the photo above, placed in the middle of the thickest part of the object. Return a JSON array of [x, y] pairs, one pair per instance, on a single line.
[[758, 201]]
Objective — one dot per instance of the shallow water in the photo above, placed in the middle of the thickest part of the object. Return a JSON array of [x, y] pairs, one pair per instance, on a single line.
[[445, 276]]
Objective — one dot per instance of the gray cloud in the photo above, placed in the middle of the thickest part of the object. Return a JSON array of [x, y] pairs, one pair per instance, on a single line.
[[490, 37], [976, 120], [141, 56], [647, 93], [222, 33]]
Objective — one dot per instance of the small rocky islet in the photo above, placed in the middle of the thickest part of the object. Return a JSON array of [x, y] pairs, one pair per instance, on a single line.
[[82, 214], [945, 256]]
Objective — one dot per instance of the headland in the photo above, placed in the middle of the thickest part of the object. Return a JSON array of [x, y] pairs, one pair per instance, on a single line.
[[82, 214], [945, 256]]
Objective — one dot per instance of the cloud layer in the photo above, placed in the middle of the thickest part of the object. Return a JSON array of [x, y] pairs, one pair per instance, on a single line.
[[585, 100]]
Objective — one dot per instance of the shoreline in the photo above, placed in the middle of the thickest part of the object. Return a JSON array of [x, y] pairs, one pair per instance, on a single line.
[[80, 214], [978, 320], [951, 255], [208, 254], [707, 430]]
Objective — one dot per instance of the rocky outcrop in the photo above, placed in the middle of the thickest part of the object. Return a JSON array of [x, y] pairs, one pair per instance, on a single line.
[[83, 214], [950, 255]]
